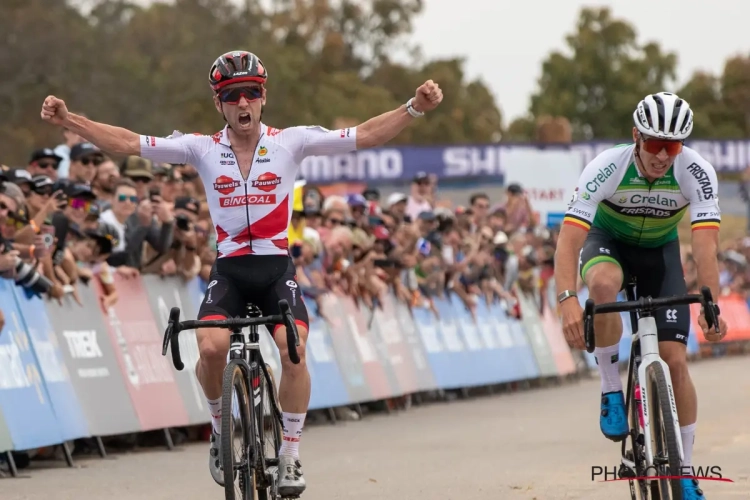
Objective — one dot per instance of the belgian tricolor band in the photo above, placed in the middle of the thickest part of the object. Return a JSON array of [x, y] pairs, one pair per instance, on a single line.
[[572, 220], [705, 224]]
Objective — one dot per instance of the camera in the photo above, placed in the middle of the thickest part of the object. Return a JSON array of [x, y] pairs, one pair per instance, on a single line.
[[28, 277], [182, 222]]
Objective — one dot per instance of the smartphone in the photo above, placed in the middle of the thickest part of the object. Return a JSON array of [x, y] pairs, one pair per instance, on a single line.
[[182, 222], [153, 192], [62, 200], [48, 235], [386, 263], [296, 251]]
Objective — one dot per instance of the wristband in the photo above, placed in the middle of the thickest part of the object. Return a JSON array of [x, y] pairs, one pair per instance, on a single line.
[[410, 109], [34, 226], [564, 295]]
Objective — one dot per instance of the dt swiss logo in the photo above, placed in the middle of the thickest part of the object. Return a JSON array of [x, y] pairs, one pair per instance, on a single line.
[[267, 182], [262, 151], [225, 184]]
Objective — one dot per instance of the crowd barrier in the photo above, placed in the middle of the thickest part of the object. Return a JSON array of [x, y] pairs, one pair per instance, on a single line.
[[70, 371]]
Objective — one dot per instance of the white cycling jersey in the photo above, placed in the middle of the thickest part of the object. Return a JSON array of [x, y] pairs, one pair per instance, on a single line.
[[250, 216]]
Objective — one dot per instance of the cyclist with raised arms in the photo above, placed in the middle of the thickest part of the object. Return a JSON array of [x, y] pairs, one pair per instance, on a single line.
[[622, 223], [249, 170]]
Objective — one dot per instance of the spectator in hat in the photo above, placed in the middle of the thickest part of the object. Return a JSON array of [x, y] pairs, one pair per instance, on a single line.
[[22, 179], [396, 206], [168, 180], [45, 162], [140, 171], [358, 209], [107, 175], [92, 247], [518, 209], [80, 199], [421, 197], [63, 150], [84, 159]]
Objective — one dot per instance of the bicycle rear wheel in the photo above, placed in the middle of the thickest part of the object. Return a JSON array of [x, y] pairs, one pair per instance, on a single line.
[[663, 436], [236, 433], [268, 422]]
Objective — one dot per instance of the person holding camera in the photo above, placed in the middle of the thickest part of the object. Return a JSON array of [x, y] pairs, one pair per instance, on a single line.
[[183, 258]]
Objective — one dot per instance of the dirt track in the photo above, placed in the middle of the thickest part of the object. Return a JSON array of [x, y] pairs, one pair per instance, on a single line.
[[537, 444]]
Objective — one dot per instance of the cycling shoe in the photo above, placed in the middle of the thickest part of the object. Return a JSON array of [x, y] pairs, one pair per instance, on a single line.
[[291, 481], [214, 459], [612, 419], [690, 489]]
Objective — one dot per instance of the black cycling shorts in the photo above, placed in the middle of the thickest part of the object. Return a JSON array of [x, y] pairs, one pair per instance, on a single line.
[[658, 273], [262, 280]]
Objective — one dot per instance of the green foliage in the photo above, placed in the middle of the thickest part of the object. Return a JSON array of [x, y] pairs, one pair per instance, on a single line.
[[145, 68]]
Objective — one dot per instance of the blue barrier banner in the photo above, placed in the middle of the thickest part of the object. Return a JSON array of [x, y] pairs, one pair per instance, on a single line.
[[425, 377], [511, 334], [6, 441], [464, 372], [328, 388], [46, 347], [505, 365], [23, 395], [439, 357], [481, 356]]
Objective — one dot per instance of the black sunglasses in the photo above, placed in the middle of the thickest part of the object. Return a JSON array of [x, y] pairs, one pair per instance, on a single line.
[[48, 164], [233, 95], [95, 160]]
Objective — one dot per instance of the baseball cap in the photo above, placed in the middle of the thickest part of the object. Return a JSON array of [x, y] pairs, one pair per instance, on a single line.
[[427, 215], [421, 177], [19, 176], [44, 153], [79, 191], [380, 233], [84, 149], [371, 194], [356, 200], [187, 203], [515, 188], [135, 166], [394, 198], [41, 181]]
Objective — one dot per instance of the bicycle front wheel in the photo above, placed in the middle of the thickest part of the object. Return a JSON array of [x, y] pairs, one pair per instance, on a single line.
[[267, 419], [236, 433], [663, 436]]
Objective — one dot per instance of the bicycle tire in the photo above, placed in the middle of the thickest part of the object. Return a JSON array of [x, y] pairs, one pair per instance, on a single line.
[[234, 378], [663, 434], [270, 426], [639, 489]]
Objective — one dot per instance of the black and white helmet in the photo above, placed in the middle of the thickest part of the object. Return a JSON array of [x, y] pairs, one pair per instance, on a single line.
[[664, 116]]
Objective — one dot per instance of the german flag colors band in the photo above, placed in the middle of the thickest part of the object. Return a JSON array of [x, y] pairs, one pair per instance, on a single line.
[[705, 224], [572, 220]]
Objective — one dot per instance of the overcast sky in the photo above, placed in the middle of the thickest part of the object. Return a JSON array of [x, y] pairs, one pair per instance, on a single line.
[[505, 41]]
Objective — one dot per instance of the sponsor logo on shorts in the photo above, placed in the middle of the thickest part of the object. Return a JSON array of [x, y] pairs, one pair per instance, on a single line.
[[291, 284], [247, 199], [210, 285], [671, 315]]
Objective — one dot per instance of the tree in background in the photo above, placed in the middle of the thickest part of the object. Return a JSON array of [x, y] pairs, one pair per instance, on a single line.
[[598, 83], [145, 68]]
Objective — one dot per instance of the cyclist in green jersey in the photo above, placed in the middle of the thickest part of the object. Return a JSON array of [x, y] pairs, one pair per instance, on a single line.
[[622, 223]]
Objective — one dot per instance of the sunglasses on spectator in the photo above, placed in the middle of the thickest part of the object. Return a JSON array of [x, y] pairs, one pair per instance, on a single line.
[[336, 222], [48, 164], [43, 191], [233, 96], [11, 221], [655, 146], [79, 203], [95, 160], [123, 198], [141, 180]]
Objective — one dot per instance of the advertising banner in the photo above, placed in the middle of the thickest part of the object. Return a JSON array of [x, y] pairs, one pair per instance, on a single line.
[[408, 328], [46, 347], [560, 351], [163, 295], [23, 397], [480, 357], [464, 373], [504, 365], [6, 443], [386, 324], [511, 336], [532, 325], [328, 388], [347, 354], [92, 365], [149, 376]]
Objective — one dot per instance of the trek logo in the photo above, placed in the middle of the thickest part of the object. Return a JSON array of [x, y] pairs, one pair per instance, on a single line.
[[262, 160], [671, 315], [227, 155], [601, 177], [225, 184], [705, 182], [247, 199], [267, 182]]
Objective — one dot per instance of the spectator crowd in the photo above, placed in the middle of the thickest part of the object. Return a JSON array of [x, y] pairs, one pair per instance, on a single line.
[[73, 214]]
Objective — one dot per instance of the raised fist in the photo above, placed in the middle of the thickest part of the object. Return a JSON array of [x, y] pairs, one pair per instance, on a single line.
[[54, 110], [428, 96]]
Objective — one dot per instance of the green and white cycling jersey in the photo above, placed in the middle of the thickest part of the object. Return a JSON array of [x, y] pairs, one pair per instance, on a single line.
[[613, 195]]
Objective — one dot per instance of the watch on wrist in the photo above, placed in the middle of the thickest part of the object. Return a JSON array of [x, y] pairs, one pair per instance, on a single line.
[[565, 294], [410, 109]]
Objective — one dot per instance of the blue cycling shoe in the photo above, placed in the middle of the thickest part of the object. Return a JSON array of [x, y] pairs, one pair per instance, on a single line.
[[691, 490], [612, 420]]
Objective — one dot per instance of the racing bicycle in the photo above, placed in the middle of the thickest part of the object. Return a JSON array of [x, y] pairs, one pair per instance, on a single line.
[[251, 420], [653, 464]]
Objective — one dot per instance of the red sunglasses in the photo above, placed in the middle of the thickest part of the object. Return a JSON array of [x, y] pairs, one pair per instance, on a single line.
[[654, 146], [233, 95]]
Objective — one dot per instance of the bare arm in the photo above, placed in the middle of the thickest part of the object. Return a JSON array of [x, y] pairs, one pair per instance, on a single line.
[[705, 250], [115, 140], [569, 246], [381, 129]]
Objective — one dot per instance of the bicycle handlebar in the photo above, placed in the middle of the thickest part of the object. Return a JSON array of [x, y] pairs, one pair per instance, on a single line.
[[175, 326], [648, 304]]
